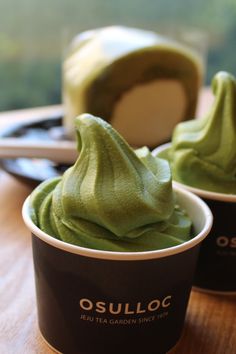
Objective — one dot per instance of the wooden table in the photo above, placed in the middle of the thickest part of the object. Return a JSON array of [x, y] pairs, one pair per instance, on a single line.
[[210, 326]]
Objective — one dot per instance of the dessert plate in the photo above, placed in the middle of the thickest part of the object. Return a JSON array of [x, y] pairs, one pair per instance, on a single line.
[[34, 171]]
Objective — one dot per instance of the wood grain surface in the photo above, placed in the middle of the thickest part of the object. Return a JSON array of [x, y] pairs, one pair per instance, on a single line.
[[210, 326]]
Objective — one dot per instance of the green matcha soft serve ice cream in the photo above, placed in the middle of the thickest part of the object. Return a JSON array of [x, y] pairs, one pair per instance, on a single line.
[[203, 151], [113, 198]]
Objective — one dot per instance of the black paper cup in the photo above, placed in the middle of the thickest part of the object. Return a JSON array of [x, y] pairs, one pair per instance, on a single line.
[[216, 267], [104, 302]]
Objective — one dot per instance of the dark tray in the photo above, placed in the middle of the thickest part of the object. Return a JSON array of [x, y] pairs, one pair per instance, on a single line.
[[29, 170]]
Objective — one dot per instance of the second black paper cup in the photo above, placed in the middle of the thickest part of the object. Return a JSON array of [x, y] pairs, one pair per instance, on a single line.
[[216, 267]]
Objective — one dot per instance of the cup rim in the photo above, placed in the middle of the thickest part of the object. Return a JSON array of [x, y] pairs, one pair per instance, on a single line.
[[126, 256], [223, 197]]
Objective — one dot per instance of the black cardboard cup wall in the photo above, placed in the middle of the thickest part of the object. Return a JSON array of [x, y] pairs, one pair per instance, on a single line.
[[216, 267], [109, 302]]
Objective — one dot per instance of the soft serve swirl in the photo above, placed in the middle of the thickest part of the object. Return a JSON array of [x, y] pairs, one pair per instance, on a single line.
[[113, 198], [203, 151]]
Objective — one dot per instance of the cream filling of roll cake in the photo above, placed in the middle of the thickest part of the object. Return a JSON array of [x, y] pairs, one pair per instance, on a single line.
[[135, 114]]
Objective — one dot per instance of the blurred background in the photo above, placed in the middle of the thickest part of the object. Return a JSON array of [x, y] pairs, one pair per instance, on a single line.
[[34, 35]]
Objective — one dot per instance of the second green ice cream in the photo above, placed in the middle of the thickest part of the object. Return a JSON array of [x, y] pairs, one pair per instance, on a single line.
[[113, 198], [203, 151]]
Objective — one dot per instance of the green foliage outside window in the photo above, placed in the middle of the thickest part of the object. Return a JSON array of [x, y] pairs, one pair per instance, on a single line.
[[34, 35]]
